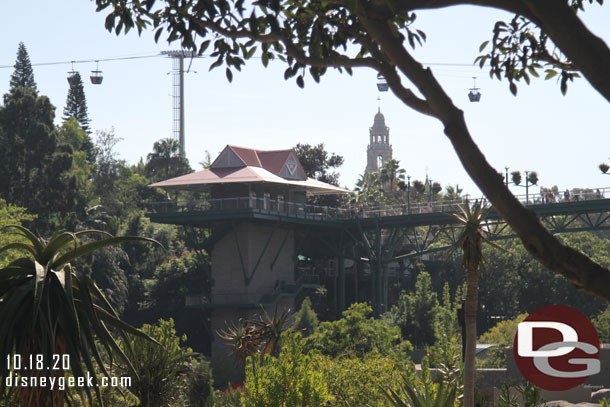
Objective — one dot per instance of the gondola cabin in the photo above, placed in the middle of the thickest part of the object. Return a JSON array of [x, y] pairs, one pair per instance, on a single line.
[[96, 77], [382, 84], [474, 95]]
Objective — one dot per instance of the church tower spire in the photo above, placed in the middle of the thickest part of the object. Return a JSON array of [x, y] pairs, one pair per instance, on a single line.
[[379, 150]]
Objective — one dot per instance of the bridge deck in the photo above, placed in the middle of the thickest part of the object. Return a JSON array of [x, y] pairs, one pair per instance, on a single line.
[[348, 218]]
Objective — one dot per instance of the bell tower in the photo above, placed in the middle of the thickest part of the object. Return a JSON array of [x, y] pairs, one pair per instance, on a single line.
[[379, 150]]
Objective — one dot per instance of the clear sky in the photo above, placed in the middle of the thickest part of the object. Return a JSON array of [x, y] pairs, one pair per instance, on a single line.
[[562, 138]]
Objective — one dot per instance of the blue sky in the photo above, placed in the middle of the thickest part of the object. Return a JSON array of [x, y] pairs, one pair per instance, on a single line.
[[562, 138]]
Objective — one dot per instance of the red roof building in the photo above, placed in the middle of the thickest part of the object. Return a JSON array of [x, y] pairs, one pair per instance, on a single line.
[[240, 172]]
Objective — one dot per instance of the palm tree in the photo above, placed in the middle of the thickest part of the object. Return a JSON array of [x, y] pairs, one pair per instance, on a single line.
[[368, 191], [473, 225], [48, 309], [165, 161], [393, 176]]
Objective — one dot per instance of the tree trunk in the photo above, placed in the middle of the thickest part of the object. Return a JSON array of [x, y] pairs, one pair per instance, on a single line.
[[470, 320]]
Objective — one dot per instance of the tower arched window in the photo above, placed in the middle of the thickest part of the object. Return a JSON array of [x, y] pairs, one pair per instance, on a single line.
[[379, 162]]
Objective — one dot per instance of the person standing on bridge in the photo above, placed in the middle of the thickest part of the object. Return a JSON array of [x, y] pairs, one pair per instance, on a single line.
[[566, 196], [598, 194]]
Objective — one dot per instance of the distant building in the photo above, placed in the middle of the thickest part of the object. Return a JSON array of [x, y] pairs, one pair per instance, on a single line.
[[379, 150]]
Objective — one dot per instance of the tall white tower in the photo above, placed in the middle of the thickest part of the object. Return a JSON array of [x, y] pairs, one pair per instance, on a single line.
[[379, 150]]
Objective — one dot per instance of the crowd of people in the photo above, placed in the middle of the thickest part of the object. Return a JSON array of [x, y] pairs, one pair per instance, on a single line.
[[549, 196]]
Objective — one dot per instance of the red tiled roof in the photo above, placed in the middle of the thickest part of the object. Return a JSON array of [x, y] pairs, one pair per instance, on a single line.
[[251, 174], [247, 155], [273, 161], [261, 166]]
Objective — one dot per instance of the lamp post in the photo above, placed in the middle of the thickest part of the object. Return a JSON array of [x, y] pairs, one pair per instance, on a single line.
[[429, 182], [409, 194], [527, 195], [531, 178]]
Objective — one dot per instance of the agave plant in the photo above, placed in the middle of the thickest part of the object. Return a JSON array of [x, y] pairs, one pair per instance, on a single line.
[[271, 329], [421, 391], [47, 309], [260, 336], [245, 339]]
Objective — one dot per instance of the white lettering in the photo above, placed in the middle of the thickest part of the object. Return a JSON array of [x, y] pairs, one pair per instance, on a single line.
[[525, 331]]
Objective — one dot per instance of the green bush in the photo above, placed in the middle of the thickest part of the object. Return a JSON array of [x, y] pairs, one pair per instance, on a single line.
[[502, 335], [353, 382], [161, 369], [355, 334], [602, 324], [417, 313], [225, 399], [199, 382], [305, 319], [290, 380], [419, 390]]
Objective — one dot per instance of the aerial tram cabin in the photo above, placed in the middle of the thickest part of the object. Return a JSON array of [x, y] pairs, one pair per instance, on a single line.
[[474, 95], [96, 76], [382, 84]]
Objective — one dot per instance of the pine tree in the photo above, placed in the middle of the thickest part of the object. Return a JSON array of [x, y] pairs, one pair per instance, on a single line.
[[23, 76], [76, 103], [34, 165]]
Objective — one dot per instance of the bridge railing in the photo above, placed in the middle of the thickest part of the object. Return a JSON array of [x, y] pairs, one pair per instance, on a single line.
[[574, 195], [267, 205], [261, 204]]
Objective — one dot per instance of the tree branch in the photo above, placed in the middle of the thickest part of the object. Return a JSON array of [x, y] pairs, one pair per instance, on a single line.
[[589, 53], [511, 6], [336, 61], [538, 241], [389, 72]]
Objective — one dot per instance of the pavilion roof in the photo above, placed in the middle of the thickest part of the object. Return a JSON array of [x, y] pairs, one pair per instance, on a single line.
[[244, 165]]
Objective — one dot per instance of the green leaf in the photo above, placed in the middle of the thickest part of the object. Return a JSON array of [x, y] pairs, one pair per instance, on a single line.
[[483, 46], [216, 64], [250, 53], [35, 240], [300, 82], [229, 74], [513, 88], [158, 34], [550, 73], [96, 245], [204, 45], [19, 246]]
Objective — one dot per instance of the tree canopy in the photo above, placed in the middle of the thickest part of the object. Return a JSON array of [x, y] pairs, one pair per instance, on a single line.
[[23, 75], [76, 102], [317, 162], [165, 161], [347, 34], [32, 155]]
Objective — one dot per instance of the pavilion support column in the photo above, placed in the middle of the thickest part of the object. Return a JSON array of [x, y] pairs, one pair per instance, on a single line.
[[341, 262], [378, 273]]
